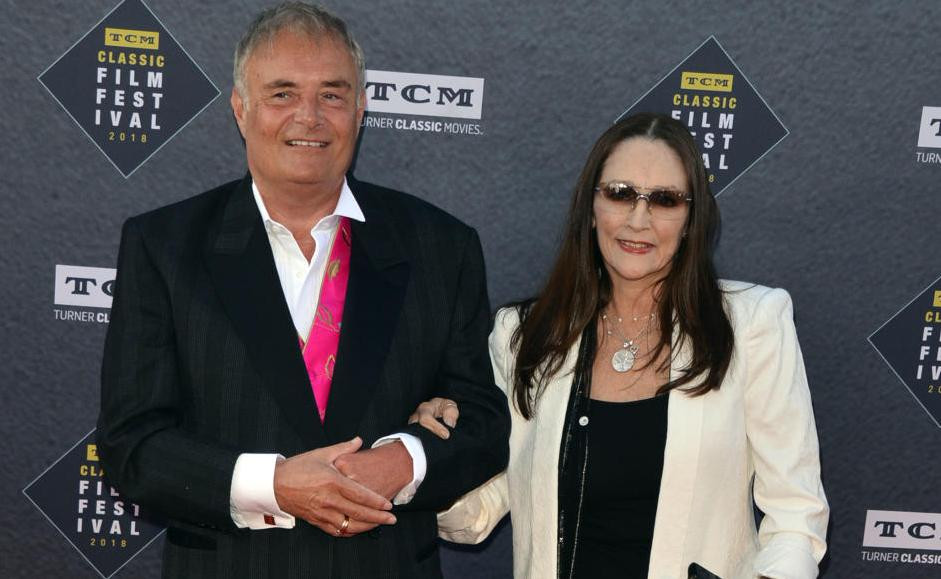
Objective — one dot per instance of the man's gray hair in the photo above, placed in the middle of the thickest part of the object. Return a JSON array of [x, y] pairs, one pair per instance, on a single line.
[[302, 18]]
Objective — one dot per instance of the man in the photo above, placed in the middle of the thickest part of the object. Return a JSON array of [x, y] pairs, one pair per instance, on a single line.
[[298, 313]]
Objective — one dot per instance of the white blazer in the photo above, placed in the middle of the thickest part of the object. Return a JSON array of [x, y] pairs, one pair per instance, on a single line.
[[758, 426]]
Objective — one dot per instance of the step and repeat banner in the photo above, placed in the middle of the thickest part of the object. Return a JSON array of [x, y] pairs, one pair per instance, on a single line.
[[820, 127]]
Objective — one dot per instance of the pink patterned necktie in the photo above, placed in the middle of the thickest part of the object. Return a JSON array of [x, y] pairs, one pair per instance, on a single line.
[[320, 350]]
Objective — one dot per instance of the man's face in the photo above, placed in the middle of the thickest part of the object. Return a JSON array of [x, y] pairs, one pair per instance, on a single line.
[[300, 113]]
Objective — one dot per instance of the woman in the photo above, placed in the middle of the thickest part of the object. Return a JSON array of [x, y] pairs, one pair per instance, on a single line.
[[646, 394]]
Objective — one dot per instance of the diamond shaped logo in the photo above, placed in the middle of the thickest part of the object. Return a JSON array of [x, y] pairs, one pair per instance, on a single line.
[[129, 85], [732, 124], [910, 343], [107, 530]]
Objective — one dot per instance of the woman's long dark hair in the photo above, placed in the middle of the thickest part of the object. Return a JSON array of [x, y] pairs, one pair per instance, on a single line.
[[579, 287]]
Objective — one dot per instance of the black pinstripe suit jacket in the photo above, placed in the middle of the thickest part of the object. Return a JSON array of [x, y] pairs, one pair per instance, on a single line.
[[202, 363]]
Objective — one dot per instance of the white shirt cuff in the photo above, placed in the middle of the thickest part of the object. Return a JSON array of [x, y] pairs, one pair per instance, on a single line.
[[419, 464], [252, 502]]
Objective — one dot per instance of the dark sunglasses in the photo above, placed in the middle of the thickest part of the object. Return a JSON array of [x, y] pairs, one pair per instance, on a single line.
[[660, 202]]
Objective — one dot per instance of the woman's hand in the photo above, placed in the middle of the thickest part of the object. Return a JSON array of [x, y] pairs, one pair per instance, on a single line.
[[430, 414]]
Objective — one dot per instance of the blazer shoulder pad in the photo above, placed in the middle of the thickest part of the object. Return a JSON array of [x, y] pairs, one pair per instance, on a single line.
[[399, 206], [750, 301]]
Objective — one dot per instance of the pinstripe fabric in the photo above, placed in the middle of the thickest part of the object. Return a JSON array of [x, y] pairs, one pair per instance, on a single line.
[[201, 363]]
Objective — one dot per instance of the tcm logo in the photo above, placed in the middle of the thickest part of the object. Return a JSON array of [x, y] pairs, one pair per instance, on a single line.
[[132, 38], [89, 287], [711, 81], [430, 95], [929, 133], [903, 530]]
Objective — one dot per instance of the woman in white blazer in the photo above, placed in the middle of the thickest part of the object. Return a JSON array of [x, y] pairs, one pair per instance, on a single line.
[[651, 402]]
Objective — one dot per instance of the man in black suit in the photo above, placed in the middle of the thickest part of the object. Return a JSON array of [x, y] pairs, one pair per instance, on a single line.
[[205, 388]]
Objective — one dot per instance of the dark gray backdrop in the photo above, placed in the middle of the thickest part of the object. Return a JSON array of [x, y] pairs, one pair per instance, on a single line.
[[840, 213]]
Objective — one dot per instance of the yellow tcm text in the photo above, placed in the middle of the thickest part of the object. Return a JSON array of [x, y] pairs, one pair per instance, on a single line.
[[712, 81], [132, 38]]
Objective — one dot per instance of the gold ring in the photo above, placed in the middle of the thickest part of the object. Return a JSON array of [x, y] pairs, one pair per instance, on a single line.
[[342, 528]]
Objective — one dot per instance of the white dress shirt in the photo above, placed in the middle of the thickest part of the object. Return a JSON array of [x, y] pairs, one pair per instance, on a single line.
[[252, 497]]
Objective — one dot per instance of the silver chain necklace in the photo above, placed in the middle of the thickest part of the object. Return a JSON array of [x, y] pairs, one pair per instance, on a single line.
[[623, 358]]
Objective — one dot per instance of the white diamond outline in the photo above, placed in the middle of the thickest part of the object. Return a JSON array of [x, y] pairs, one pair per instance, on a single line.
[[735, 64], [61, 532], [887, 363], [170, 138]]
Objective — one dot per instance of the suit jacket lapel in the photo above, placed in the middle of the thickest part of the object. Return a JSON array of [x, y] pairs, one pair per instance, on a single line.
[[378, 280], [242, 268], [680, 465], [548, 430]]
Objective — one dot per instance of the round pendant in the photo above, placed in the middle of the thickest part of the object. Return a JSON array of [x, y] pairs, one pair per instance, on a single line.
[[623, 360]]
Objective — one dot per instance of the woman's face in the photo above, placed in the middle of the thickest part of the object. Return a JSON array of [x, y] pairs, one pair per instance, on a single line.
[[637, 244]]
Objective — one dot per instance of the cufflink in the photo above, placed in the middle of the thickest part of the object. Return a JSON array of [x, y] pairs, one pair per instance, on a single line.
[[269, 520]]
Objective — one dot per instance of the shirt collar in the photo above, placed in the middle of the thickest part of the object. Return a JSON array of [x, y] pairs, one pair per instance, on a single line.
[[346, 205]]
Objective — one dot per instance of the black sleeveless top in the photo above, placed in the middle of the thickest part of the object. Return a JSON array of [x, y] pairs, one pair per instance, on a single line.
[[622, 483]]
